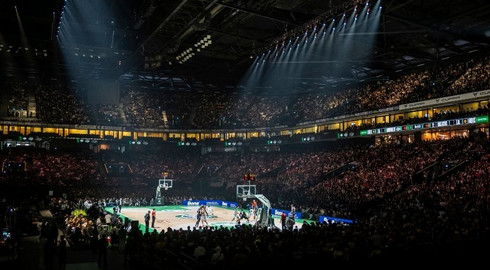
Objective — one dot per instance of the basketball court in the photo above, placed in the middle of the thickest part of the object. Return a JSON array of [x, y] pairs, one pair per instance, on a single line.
[[181, 217], [185, 216]]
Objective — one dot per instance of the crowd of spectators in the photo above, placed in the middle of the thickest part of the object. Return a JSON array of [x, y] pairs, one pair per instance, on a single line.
[[372, 172], [443, 215], [396, 218], [60, 103], [151, 108]]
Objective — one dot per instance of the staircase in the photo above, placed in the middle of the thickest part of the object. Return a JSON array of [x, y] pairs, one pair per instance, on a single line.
[[165, 119], [31, 107], [122, 114], [274, 172]]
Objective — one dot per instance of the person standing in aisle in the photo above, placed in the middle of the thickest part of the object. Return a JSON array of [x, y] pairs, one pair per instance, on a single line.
[[153, 217], [147, 221]]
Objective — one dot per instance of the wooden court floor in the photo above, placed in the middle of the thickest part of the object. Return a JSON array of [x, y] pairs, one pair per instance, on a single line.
[[181, 217]]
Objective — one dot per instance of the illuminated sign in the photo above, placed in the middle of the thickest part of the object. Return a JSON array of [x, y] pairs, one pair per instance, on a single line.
[[481, 119], [446, 123]]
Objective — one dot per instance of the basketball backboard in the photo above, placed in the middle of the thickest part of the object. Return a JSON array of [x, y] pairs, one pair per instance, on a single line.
[[246, 191], [165, 183]]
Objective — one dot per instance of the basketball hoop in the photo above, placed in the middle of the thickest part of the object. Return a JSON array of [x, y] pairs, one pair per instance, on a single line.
[[166, 187]]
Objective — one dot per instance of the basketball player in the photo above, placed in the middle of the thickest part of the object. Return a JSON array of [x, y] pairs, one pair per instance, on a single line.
[[199, 216], [243, 215], [293, 211], [255, 209], [236, 214], [204, 215], [209, 210]]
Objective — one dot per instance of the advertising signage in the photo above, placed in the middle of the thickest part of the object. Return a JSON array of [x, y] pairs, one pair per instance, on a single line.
[[422, 126]]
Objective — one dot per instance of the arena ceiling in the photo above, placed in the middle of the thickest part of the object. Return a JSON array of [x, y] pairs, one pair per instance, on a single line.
[[146, 37]]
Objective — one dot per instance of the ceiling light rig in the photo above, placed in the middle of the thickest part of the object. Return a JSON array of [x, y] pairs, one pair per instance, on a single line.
[[61, 19], [312, 27], [190, 52]]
